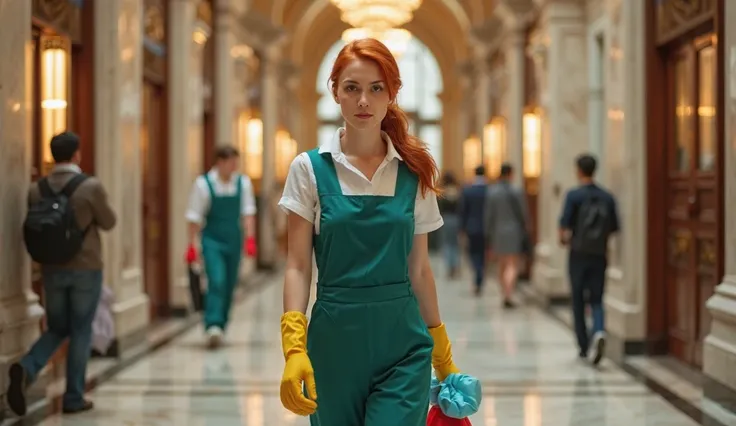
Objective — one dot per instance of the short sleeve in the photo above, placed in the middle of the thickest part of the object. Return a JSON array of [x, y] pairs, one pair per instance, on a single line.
[[300, 190], [248, 207], [199, 201], [427, 217], [568, 211]]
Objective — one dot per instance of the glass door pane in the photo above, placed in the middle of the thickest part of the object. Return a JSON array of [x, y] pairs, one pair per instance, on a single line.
[[707, 108], [683, 128]]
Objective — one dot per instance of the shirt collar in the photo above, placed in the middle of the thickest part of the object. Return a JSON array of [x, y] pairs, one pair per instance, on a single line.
[[66, 168], [216, 176], [333, 145]]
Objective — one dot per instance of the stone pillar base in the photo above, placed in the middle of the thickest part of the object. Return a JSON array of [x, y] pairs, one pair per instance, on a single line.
[[19, 328], [132, 317], [625, 322], [549, 277], [719, 350]]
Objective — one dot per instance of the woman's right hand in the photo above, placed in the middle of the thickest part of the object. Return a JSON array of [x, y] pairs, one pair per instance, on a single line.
[[298, 369]]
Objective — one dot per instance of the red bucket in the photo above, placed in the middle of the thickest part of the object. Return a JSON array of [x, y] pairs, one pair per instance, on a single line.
[[437, 418]]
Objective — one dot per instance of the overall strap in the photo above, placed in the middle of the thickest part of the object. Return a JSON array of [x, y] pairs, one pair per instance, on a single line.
[[239, 183], [209, 185], [324, 173], [406, 182]]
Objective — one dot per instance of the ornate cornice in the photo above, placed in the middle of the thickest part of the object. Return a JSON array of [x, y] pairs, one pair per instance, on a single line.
[[489, 33], [258, 31], [517, 14]]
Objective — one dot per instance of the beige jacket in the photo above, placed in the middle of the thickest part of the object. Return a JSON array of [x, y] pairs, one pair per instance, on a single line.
[[90, 207]]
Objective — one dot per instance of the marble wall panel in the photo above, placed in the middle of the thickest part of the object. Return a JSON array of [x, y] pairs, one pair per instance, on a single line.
[[625, 166], [19, 310], [118, 77], [719, 352]]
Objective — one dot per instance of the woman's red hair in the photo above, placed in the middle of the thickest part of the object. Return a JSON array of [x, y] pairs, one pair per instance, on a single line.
[[395, 124]]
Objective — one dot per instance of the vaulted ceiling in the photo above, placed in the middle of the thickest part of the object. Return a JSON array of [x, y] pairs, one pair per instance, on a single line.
[[313, 26]]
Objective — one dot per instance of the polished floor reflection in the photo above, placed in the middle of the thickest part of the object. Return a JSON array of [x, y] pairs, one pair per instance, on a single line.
[[526, 361]]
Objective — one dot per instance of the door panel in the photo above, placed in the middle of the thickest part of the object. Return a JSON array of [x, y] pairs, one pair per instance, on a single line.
[[153, 152], [692, 200]]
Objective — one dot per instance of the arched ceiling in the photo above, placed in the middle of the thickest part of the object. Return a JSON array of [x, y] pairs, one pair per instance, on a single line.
[[314, 26]]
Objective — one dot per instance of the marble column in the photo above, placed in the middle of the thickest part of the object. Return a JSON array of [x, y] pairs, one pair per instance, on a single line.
[[515, 44], [20, 312], [452, 129], [565, 135], [624, 173], [270, 113], [719, 352], [223, 38], [186, 52], [482, 97], [464, 127], [308, 120], [118, 78]]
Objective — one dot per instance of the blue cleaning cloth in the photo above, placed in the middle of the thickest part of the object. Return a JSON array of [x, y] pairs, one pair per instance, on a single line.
[[459, 396]]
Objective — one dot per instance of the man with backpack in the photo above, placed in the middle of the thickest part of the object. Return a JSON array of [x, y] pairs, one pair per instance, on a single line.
[[589, 218], [61, 231]]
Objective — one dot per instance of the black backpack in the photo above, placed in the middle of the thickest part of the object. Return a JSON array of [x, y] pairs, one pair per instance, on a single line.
[[51, 232], [592, 225]]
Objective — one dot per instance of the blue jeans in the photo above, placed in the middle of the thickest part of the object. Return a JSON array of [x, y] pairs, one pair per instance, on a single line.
[[450, 245], [588, 280], [72, 297]]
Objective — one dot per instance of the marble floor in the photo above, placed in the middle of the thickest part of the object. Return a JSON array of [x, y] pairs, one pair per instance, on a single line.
[[526, 361]]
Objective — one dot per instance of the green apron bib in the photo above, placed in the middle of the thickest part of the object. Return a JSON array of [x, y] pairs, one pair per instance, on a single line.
[[222, 248], [368, 343]]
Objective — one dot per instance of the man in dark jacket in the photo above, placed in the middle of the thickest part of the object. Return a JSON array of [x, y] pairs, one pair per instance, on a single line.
[[589, 217], [471, 223]]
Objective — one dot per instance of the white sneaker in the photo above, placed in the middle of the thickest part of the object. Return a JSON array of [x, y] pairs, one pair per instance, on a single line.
[[215, 336], [598, 348]]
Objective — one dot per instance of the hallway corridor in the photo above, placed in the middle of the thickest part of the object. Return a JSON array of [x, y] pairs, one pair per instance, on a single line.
[[526, 361]]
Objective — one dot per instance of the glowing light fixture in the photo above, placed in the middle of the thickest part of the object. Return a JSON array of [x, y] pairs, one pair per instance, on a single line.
[[494, 145], [396, 39], [377, 14], [251, 138], [532, 144], [286, 148], [54, 93], [471, 156]]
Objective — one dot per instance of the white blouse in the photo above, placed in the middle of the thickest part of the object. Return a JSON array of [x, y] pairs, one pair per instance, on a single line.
[[300, 191], [199, 197]]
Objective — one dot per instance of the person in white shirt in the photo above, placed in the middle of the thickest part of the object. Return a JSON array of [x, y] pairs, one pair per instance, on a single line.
[[221, 208], [364, 203]]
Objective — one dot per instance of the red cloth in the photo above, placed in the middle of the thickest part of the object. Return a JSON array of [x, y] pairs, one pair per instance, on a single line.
[[437, 418], [191, 254], [250, 247]]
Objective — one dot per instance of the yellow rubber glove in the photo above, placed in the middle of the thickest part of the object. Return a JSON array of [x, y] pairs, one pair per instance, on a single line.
[[442, 353], [298, 367]]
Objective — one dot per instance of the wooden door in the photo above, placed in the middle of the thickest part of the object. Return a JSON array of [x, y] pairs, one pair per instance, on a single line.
[[691, 190], [154, 173]]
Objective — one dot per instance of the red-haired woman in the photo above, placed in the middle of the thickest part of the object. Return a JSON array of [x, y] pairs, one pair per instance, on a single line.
[[364, 202]]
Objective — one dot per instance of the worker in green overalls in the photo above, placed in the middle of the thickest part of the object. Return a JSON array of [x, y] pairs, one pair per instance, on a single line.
[[363, 203], [221, 209]]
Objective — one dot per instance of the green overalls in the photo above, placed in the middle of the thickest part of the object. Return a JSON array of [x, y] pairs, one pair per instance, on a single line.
[[222, 248], [367, 341]]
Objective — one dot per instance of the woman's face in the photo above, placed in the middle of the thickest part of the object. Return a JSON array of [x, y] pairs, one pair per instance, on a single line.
[[362, 94]]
